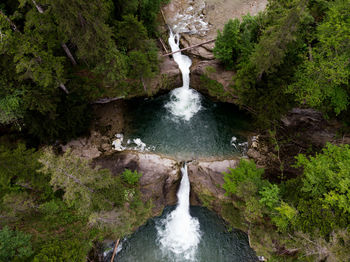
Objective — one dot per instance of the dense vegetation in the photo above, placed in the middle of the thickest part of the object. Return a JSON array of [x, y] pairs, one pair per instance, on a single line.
[[308, 216], [58, 56], [59, 205], [296, 53]]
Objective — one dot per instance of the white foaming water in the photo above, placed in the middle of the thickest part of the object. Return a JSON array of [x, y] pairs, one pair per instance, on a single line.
[[179, 233], [184, 102]]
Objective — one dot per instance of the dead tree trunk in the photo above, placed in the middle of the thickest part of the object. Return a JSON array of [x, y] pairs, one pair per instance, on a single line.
[[115, 250], [190, 47], [64, 46], [143, 84], [63, 87], [38, 7], [163, 44], [69, 54]]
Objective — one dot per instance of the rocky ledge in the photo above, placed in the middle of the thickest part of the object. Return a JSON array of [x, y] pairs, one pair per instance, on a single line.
[[161, 177]]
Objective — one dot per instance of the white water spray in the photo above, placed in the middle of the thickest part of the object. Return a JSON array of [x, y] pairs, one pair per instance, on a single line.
[[179, 233], [184, 102]]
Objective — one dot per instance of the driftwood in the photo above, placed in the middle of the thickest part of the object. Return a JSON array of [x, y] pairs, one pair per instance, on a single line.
[[107, 100], [115, 250], [190, 47]]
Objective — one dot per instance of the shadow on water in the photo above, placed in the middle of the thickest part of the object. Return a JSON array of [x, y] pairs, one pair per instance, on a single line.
[[207, 134], [217, 243]]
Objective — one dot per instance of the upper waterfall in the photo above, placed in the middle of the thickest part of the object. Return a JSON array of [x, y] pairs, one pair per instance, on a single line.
[[184, 102]]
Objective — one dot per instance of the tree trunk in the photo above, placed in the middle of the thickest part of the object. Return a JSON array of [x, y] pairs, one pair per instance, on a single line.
[[190, 47], [63, 87], [69, 54], [13, 26], [107, 100], [38, 7], [65, 47], [143, 84], [163, 44], [115, 250]]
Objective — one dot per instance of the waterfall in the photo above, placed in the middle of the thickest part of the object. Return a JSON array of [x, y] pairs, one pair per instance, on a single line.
[[184, 101], [179, 233]]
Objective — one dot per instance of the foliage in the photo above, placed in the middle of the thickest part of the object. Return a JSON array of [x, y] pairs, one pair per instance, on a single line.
[[67, 250], [311, 208], [58, 56], [14, 245], [297, 54], [19, 169], [322, 81], [246, 171], [131, 177], [236, 41], [327, 176]]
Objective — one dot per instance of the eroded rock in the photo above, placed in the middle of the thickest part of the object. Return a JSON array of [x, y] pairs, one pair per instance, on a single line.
[[160, 175], [206, 178]]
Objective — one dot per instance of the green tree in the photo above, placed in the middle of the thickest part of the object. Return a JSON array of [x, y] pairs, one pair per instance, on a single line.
[[83, 186], [327, 176], [19, 169], [322, 81], [246, 171], [14, 245], [237, 40]]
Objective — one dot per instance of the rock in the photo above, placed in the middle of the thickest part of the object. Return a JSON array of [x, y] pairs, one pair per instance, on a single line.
[[214, 70], [117, 144], [198, 21], [206, 178], [209, 16], [168, 77], [160, 175], [315, 129]]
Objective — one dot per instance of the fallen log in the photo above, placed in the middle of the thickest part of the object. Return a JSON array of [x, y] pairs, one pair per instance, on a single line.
[[190, 47], [107, 100], [115, 250]]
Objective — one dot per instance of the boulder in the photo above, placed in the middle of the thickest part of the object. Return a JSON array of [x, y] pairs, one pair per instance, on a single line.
[[206, 178], [160, 175]]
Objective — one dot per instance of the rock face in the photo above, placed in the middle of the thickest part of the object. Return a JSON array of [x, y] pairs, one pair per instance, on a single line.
[[160, 175], [168, 77], [301, 130], [206, 178], [198, 21], [109, 120], [216, 72]]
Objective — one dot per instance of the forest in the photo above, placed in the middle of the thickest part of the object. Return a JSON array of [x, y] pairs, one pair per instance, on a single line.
[[57, 57]]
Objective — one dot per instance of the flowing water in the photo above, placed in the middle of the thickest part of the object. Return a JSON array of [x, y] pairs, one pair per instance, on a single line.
[[184, 123], [186, 233], [179, 233]]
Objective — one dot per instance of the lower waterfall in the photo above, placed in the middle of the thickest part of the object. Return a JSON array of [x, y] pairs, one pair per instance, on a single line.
[[179, 232]]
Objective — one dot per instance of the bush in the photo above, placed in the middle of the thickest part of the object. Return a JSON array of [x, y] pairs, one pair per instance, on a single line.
[[131, 177], [246, 171], [14, 244]]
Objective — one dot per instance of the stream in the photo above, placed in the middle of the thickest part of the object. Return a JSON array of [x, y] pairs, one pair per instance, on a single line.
[[184, 123]]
